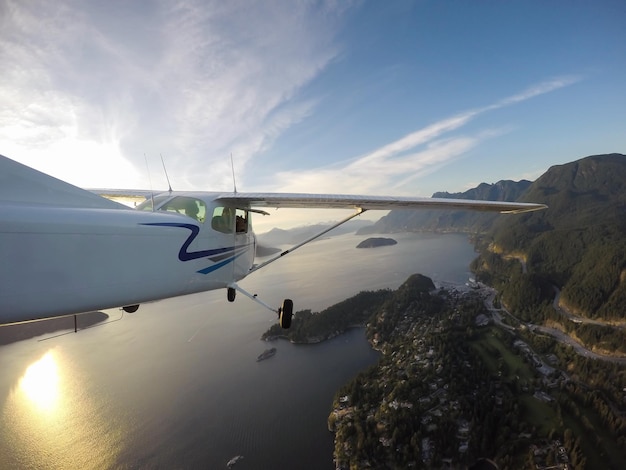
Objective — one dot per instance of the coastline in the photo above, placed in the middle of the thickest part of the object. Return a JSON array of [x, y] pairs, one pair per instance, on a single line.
[[314, 339]]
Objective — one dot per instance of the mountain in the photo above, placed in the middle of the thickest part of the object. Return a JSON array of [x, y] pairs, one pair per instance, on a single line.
[[505, 190], [450, 221], [579, 242]]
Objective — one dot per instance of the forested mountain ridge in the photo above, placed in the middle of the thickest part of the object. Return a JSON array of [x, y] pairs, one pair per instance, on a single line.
[[504, 190], [585, 194], [577, 244]]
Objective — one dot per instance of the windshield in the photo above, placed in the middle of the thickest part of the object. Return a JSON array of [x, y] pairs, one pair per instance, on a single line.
[[189, 206]]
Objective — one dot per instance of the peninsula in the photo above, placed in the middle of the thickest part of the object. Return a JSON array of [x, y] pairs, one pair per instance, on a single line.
[[456, 384]]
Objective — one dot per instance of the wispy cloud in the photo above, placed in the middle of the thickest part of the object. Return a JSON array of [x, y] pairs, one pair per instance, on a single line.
[[536, 90], [415, 155], [194, 80]]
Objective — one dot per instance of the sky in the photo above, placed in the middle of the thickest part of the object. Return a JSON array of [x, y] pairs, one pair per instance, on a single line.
[[357, 97]]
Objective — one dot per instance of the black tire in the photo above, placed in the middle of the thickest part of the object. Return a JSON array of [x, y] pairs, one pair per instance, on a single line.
[[231, 294], [131, 308], [286, 314]]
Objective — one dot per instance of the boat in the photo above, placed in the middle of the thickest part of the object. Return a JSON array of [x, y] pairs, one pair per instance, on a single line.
[[234, 460], [266, 354]]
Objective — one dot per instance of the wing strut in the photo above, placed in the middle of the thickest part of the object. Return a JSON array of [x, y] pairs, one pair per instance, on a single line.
[[234, 285], [308, 240]]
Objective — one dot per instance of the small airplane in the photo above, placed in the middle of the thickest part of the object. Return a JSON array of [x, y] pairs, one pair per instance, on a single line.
[[65, 250]]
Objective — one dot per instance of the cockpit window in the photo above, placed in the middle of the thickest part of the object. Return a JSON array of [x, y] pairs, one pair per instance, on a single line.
[[189, 206], [229, 220]]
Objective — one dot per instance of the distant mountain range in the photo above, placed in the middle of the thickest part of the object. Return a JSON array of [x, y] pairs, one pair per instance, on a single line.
[[578, 244]]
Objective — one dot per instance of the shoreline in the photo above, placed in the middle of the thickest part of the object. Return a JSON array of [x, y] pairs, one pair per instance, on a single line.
[[313, 340]]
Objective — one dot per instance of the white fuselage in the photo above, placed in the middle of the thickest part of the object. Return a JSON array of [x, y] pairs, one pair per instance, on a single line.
[[63, 260]]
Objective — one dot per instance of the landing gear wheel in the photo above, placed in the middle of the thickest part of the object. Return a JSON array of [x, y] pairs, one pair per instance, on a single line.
[[285, 314], [231, 294]]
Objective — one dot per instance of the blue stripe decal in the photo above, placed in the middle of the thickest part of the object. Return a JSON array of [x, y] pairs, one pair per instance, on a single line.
[[217, 266], [214, 255], [183, 254], [236, 251]]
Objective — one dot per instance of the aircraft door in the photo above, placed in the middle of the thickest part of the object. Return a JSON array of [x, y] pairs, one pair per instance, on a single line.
[[244, 241], [231, 226]]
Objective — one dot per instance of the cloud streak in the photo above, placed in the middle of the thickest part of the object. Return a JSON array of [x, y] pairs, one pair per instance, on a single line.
[[194, 80], [415, 155]]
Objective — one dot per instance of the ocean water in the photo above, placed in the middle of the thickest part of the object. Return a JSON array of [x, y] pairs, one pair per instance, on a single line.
[[177, 385]]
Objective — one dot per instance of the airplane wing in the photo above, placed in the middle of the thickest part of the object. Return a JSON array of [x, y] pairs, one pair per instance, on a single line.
[[340, 201], [126, 193], [24, 184]]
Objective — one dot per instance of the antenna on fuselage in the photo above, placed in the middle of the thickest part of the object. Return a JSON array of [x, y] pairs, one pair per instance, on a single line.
[[232, 167], [166, 177], [149, 180]]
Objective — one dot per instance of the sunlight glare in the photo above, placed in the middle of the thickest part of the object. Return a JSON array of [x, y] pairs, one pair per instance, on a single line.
[[40, 383]]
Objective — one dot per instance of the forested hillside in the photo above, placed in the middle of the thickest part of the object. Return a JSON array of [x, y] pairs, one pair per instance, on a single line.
[[449, 390], [578, 244]]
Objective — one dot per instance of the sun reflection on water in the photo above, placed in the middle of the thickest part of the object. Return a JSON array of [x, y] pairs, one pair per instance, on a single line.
[[40, 383], [55, 419]]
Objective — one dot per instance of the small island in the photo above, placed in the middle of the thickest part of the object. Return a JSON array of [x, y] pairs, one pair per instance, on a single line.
[[374, 242]]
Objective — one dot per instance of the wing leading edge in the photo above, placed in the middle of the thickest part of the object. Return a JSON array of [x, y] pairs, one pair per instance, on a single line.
[[340, 201]]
